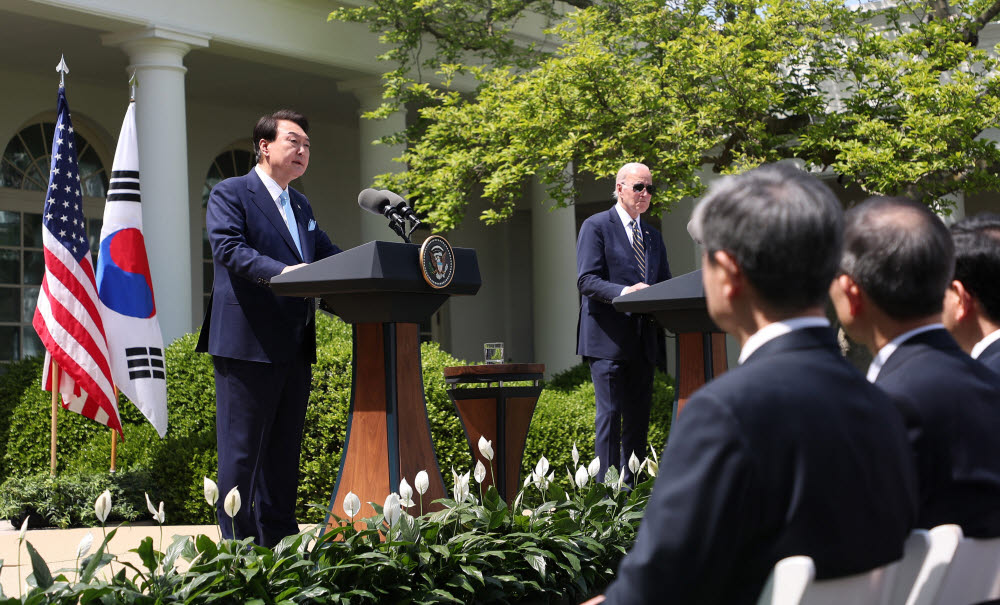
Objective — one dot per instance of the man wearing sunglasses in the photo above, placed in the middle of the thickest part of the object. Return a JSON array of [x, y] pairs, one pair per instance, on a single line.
[[617, 253]]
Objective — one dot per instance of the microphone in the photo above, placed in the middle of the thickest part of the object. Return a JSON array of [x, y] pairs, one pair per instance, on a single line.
[[400, 206], [377, 202]]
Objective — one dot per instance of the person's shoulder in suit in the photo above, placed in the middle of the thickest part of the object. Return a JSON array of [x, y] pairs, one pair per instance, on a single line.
[[990, 357]]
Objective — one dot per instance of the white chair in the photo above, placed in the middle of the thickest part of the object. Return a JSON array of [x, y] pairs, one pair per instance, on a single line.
[[792, 582], [919, 579], [974, 573]]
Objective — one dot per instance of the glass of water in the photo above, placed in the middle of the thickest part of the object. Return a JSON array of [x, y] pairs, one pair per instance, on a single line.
[[493, 352]]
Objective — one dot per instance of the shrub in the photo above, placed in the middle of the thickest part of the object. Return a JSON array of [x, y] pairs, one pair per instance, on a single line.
[[67, 500]]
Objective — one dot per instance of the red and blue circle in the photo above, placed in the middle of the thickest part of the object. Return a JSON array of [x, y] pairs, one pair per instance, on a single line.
[[123, 280]]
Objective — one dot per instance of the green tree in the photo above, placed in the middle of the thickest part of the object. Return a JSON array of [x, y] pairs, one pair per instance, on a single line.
[[895, 100]]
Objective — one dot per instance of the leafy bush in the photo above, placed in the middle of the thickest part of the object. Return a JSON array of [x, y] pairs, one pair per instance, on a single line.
[[67, 500], [174, 466], [562, 551]]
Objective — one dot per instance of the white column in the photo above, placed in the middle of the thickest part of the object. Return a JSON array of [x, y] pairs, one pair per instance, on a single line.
[[375, 159], [156, 56], [556, 302]]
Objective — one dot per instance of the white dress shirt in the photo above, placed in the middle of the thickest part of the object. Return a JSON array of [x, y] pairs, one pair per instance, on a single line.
[[885, 352], [779, 328]]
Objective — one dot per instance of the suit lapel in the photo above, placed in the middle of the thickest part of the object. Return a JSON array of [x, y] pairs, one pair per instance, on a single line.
[[262, 199], [932, 339]]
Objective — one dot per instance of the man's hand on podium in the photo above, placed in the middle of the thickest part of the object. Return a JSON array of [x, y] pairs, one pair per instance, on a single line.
[[634, 288], [292, 268]]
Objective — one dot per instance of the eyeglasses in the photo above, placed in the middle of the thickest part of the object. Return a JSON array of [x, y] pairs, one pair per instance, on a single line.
[[650, 189]]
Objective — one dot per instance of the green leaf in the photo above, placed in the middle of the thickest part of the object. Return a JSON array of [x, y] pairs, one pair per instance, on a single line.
[[43, 578]]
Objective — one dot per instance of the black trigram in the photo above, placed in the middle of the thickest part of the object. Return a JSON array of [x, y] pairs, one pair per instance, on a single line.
[[145, 363], [124, 186]]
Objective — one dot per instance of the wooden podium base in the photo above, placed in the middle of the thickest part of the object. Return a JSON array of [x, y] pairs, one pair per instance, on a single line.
[[701, 356], [388, 434]]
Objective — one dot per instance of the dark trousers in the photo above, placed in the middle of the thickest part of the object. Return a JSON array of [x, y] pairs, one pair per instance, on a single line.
[[623, 390], [260, 411]]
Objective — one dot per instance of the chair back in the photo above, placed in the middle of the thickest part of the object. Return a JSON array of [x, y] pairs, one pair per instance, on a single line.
[[793, 582], [974, 573], [923, 586]]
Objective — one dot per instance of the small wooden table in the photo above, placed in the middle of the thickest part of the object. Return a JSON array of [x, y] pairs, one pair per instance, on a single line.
[[499, 412]]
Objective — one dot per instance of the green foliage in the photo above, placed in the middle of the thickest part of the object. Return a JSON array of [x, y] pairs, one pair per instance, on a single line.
[[564, 416], [471, 552], [67, 500], [18, 377], [893, 99]]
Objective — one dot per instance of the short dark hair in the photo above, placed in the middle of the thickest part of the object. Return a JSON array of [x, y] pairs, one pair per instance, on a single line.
[[782, 226], [267, 127], [977, 259], [900, 253]]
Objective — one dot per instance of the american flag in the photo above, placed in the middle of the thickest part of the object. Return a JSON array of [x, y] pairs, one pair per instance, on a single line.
[[67, 317]]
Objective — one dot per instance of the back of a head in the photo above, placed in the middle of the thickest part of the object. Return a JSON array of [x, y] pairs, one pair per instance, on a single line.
[[900, 253], [781, 225], [977, 259]]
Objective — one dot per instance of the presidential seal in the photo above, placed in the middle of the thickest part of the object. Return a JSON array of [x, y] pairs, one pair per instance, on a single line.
[[437, 261]]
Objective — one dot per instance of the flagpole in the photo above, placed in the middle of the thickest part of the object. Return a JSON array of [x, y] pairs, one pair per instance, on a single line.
[[114, 442], [55, 408]]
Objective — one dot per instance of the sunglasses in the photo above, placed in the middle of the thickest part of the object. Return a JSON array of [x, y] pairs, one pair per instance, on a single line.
[[650, 189]]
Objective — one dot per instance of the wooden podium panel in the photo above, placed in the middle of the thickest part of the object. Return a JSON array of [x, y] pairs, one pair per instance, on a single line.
[[701, 356]]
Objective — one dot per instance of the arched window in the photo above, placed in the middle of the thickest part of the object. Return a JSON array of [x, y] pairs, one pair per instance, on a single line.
[[25, 166]]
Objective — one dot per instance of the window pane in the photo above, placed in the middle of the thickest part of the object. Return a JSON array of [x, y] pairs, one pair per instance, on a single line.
[[10, 304], [17, 155], [34, 267], [32, 137], [35, 179], [50, 131], [32, 230], [9, 176], [96, 185], [30, 298], [10, 228], [10, 342], [32, 343], [10, 267]]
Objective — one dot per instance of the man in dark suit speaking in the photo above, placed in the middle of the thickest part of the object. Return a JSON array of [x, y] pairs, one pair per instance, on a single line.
[[972, 300], [792, 452], [262, 345], [617, 253], [897, 264]]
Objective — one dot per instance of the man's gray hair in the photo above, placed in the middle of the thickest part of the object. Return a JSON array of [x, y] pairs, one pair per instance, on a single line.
[[782, 226]]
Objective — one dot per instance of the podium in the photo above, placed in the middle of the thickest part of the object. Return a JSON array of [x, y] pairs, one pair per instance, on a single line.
[[379, 288], [679, 305], [500, 413]]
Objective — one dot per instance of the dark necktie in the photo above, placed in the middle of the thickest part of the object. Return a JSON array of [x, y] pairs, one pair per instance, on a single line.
[[638, 248]]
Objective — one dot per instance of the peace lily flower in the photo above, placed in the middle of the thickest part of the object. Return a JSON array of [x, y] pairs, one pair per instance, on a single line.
[[542, 467], [633, 464], [84, 546], [421, 482], [486, 448], [102, 506], [158, 516], [576, 455], [20, 541], [581, 477], [594, 467], [24, 530], [211, 492], [461, 490], [391, 509], [405, 494], [352, 504], [232, 503], [652, 467], [480, 472]]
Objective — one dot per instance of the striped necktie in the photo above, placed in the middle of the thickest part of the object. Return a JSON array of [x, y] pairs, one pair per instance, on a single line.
[[638, 248]]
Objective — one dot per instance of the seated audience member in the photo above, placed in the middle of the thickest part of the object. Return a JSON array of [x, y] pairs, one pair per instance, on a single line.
[[792, 452], [898, 260], [972, 300]]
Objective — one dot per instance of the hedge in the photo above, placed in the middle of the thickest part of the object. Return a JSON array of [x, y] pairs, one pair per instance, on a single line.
[[174, 466]]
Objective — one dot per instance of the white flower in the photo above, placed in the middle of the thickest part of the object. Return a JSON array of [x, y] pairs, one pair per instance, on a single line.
[[581, 477], [352, 504], [621, 479], [102, 506], [594, 467], [542, 467], [232, 502], [576, 455], [84, 546], [480, 473], [160, 516], [486, 448], [652, 467], [391, 509], [211, 492], [405, 494], [421, 482], [149, 505], [461, 491], [633, 464], [24, 530]]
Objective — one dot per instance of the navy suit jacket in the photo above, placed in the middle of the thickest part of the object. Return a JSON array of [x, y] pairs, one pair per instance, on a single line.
[[250, 245], [951, 404], [990, 357], [605, 263], [791, 453]]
